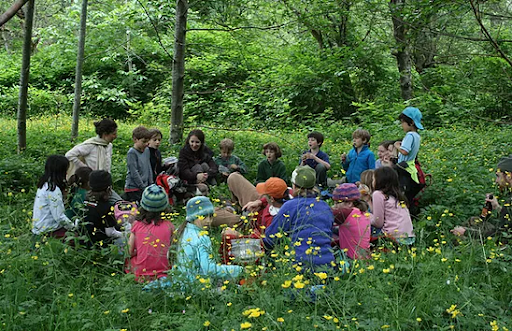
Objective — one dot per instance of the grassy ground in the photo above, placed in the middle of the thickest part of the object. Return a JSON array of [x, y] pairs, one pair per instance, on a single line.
[[438, 284]]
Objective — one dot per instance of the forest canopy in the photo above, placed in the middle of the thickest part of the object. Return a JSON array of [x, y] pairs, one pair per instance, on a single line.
[[269, 62]]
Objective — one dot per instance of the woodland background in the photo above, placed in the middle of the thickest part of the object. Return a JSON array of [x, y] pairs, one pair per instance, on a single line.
[[259, 71]]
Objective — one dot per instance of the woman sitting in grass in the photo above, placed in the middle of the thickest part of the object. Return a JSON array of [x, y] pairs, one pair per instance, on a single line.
[[307, 221]]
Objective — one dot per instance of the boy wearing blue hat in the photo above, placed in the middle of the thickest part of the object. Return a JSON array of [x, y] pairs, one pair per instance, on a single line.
[[408, 149], [410, 119]]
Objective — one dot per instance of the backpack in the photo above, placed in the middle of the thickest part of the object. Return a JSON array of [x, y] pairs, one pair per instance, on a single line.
[[124, 213], [171, 184]]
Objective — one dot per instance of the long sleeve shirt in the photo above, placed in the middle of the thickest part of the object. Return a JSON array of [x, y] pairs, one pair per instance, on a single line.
[[391, 216], [267, 170], [195, 257], [140, 174], [308, 222], [225, 164], [49, 213], [356, 163]]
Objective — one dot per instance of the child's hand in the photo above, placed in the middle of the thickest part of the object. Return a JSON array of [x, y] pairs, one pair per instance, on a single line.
[[458, 231], [397, 145], [225, 174], [343, 157], [202, 177], [233, 166], [253, 206], [494, 202]]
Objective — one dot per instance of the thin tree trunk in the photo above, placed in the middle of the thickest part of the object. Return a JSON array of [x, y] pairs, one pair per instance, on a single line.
[[5, 17], [402, 52], [178, 72], [24, 78], [79, 65]]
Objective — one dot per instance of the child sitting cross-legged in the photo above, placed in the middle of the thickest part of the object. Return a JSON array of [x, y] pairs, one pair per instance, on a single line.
[[227, 162], [151, 236], [316, 159], [79, 185], [194, 252], [48, 213], [351, 218], [271, 166]]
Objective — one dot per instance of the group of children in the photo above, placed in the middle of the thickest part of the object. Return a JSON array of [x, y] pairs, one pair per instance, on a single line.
[[370, 204]]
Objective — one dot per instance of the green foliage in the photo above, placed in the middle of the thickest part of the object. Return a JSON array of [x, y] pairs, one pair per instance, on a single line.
[[440, 283]]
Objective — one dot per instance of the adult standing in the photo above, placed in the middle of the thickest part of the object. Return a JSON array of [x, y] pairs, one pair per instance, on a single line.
[[95, 152]]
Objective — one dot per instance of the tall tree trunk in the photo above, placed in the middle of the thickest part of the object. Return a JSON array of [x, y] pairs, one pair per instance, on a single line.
[[78, 76], [178, 72], [25, 74], [402, 52], [5, 17]]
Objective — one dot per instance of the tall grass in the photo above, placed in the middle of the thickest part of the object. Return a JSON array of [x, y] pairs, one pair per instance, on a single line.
[[441, 283]]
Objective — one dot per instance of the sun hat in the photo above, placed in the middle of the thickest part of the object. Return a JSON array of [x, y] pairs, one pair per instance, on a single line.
[[304, 176], [275, 187], [154, 199], [99, 180], [505, 164], [346, 192], [415, 115], [198, 206]]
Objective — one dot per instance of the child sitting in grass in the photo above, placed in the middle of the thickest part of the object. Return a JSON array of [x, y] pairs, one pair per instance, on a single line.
[[150, 237], [99, 222], [316, 159], [79, 185], [360, 158], [271, 166], [350, 216], [48, 216], [390, 215], [227, 162], [365, 186], [194, 253]]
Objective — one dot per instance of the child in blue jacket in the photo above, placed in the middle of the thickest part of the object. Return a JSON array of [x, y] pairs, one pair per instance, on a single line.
[[360, 158]]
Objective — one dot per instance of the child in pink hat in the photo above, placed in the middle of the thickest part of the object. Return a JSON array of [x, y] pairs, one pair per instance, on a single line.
[[350, 215]]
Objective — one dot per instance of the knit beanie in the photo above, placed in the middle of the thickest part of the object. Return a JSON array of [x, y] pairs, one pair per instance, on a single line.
[[346, 192], [154, 199], [505, 164], [198, 206], [99, 180], [304, 177]]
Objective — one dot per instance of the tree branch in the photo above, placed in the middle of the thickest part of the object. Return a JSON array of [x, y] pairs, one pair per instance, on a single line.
[[489, 37], [156, 30], [12, 11]]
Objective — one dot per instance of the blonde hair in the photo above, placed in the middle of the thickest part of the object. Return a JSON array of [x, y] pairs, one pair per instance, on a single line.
[[367, 178], [227, 144]]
